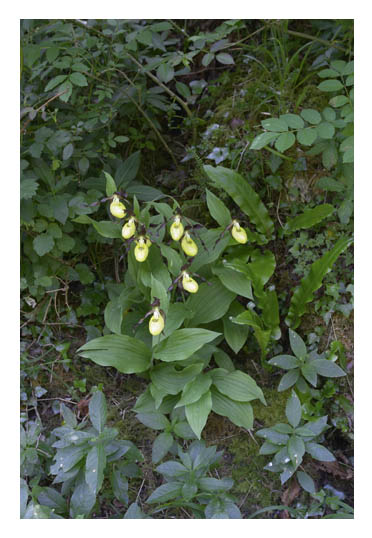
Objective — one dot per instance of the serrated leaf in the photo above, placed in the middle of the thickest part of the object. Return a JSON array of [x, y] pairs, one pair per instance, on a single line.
[[243, 195], [29, 187], [293, 410], [43, 244], [128, 355]]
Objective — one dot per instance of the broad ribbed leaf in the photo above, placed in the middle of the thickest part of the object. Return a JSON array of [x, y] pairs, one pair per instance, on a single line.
[[106, 228], [156, 421], [218, 210], [309, 218], [235, 334], [243, 195], [239, 387], [303, 294], [240, 413], [197, 413], [183, 343], [172, 381], [128, 355], [234, 281], [210, 303], [194, 389]]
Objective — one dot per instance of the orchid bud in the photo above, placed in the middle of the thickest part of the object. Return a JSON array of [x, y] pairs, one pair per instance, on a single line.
[[117, 208], [238, 233], [156, 323], [129, 228], [189, 284], [176, 230], [188, 245], [141, 250]]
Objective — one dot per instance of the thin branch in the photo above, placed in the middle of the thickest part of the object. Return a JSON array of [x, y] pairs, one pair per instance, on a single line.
[[40, 107]]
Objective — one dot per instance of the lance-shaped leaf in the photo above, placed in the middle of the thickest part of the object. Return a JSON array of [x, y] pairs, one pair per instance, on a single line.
[[128, 355], [218, 210], [234, 281], [106, 228], [293, 410], [98, 410], [309, 218], [243, 195], [94, 467], [240, 413], [182, 344], [197, 413], [210, 303], [304, 293], [110, 184], [172, 381], [297, 344], [238, 386], [194, 390]]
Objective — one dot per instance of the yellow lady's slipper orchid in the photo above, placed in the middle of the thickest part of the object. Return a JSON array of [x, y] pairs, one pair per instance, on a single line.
[[129, 228], [141, 250], [117, 208], [148, 242], [238, 233], [189, 284], [189, 247], [177, 229], [156, 323]]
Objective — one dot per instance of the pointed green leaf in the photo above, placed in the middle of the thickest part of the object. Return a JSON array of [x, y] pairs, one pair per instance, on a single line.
[[297, 344], [128, 355], [287, 362], [98, 410], [172, 381], [239, 387], [161, 446], [305, 481], [275, 124], [296, 450], [210, 303], [240, 413], [194, 389], [197, 413], [303, 294], [293, 410], [218, 210], [94, 467], [110, 184], [288, 380], [182, 344], [263, 140], [309, 218], [243, 195], [327, 368], [319, 452]]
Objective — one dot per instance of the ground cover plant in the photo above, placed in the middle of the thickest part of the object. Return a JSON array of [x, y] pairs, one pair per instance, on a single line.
[[186, 269]]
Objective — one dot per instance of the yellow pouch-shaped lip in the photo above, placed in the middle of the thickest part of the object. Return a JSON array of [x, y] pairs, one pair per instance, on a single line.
[[238, 233], [177, 229], [141, 250], [129, 229], [189, 246], [117, 208], [156, 323], [189, 284]]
